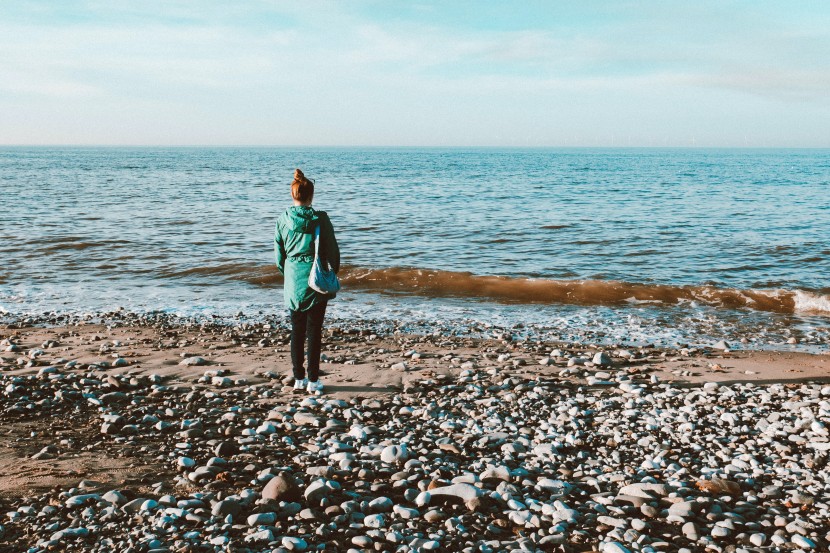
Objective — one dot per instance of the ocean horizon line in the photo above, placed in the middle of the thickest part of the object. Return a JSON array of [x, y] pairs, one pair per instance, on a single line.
[[411, 147]]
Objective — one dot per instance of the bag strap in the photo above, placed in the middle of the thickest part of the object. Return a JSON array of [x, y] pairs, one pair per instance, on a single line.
[[317, 245]]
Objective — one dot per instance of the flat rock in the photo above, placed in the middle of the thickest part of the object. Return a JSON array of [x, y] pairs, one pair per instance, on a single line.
[[459, 492], [683, 509], [133, 506], [115, 497], [304, 418], [79, 500], [499, 472], [194, 361], [294, 544], [645, 490]]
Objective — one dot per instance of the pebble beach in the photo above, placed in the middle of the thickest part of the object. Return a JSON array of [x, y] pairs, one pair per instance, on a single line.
[[151, 433], [581, 252]]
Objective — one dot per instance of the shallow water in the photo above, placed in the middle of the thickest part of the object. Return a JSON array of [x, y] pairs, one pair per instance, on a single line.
[[607, 244]]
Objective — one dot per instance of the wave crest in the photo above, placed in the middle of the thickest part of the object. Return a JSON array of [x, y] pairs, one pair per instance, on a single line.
[[436, 283]]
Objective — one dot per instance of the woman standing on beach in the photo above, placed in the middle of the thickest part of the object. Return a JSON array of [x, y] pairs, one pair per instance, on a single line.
[[294, 249]]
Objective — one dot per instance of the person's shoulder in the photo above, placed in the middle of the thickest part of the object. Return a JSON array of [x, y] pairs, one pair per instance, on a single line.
[[284, 215]]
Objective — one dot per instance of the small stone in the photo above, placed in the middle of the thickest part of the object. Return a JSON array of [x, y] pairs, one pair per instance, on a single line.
[[682, 509], [381, 505], [226, 507], [304, 418], [649, 511], [185, 463], [798, 498], [719, 486], [294, 544], [434, 515], [115, 497], [802, 541], [374, 521], [602, 358], [226, 449], [459, 492], [319, 489], [405, 512], [499, 472], [758, 539], [720, 532], [70, 533], [282, 487], [645, 490], [134, 506], [364, 542], [221, 381], [148, 505], [394, 454], [194, 361], [614, 547], [262, 519], [690, 531], [80, 500]]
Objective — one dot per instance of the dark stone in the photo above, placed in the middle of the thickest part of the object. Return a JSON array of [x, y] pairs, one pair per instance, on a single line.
[[226, 449]]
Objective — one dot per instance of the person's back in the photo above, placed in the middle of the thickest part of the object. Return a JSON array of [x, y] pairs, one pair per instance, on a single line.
[[294, 251], [295, 228]]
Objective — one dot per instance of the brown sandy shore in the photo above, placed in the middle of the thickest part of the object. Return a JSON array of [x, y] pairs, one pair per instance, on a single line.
[[359, 365]]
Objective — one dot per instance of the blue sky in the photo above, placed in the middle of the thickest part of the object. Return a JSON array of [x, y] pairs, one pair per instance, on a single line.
[[415, 73]]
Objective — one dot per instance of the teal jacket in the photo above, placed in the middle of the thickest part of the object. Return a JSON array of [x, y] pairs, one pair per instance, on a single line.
[[294, 251]]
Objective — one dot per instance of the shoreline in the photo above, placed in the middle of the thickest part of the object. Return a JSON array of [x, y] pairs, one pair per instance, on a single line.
[[357, 351], [456, 326], [173, 371]]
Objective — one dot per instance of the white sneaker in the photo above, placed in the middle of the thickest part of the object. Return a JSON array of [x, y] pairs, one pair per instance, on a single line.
[[314, 387], [300, 383]]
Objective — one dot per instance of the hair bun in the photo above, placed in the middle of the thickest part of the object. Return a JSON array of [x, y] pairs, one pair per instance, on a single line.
[[302, 188]]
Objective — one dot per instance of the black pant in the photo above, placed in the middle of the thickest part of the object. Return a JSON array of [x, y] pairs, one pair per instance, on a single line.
[[307, 322]]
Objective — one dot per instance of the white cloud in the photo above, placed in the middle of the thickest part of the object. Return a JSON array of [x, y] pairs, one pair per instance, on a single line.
[[270, 66], [782, 84]]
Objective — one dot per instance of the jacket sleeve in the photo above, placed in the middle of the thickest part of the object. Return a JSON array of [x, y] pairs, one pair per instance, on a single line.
[[330, 248], [279, 249]]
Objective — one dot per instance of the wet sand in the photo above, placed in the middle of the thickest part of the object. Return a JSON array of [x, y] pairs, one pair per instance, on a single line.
[[357, 364]]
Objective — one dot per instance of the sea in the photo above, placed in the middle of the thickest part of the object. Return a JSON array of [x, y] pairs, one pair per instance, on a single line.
[[610, 246]]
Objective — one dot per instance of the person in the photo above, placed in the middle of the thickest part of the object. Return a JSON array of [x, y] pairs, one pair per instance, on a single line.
[[294, 250]]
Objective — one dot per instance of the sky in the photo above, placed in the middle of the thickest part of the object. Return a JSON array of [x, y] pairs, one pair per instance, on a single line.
[[387, 73]]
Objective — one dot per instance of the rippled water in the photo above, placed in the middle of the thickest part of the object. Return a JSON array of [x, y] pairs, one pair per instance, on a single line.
[[611, 244]]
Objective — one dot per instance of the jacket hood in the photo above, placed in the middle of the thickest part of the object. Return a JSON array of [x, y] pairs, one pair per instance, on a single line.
[[302, 218]]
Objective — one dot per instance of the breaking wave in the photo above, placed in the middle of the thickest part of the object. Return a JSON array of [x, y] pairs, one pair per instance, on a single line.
[[437, 283]]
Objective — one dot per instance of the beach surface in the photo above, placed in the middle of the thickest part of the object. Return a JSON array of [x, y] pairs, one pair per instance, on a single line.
[[54, 446]]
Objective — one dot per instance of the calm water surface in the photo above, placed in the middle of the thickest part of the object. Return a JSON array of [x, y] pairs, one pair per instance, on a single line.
[[594, 244]]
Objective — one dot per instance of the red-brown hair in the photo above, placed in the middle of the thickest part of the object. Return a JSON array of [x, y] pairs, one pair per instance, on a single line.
[[302, 189]]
